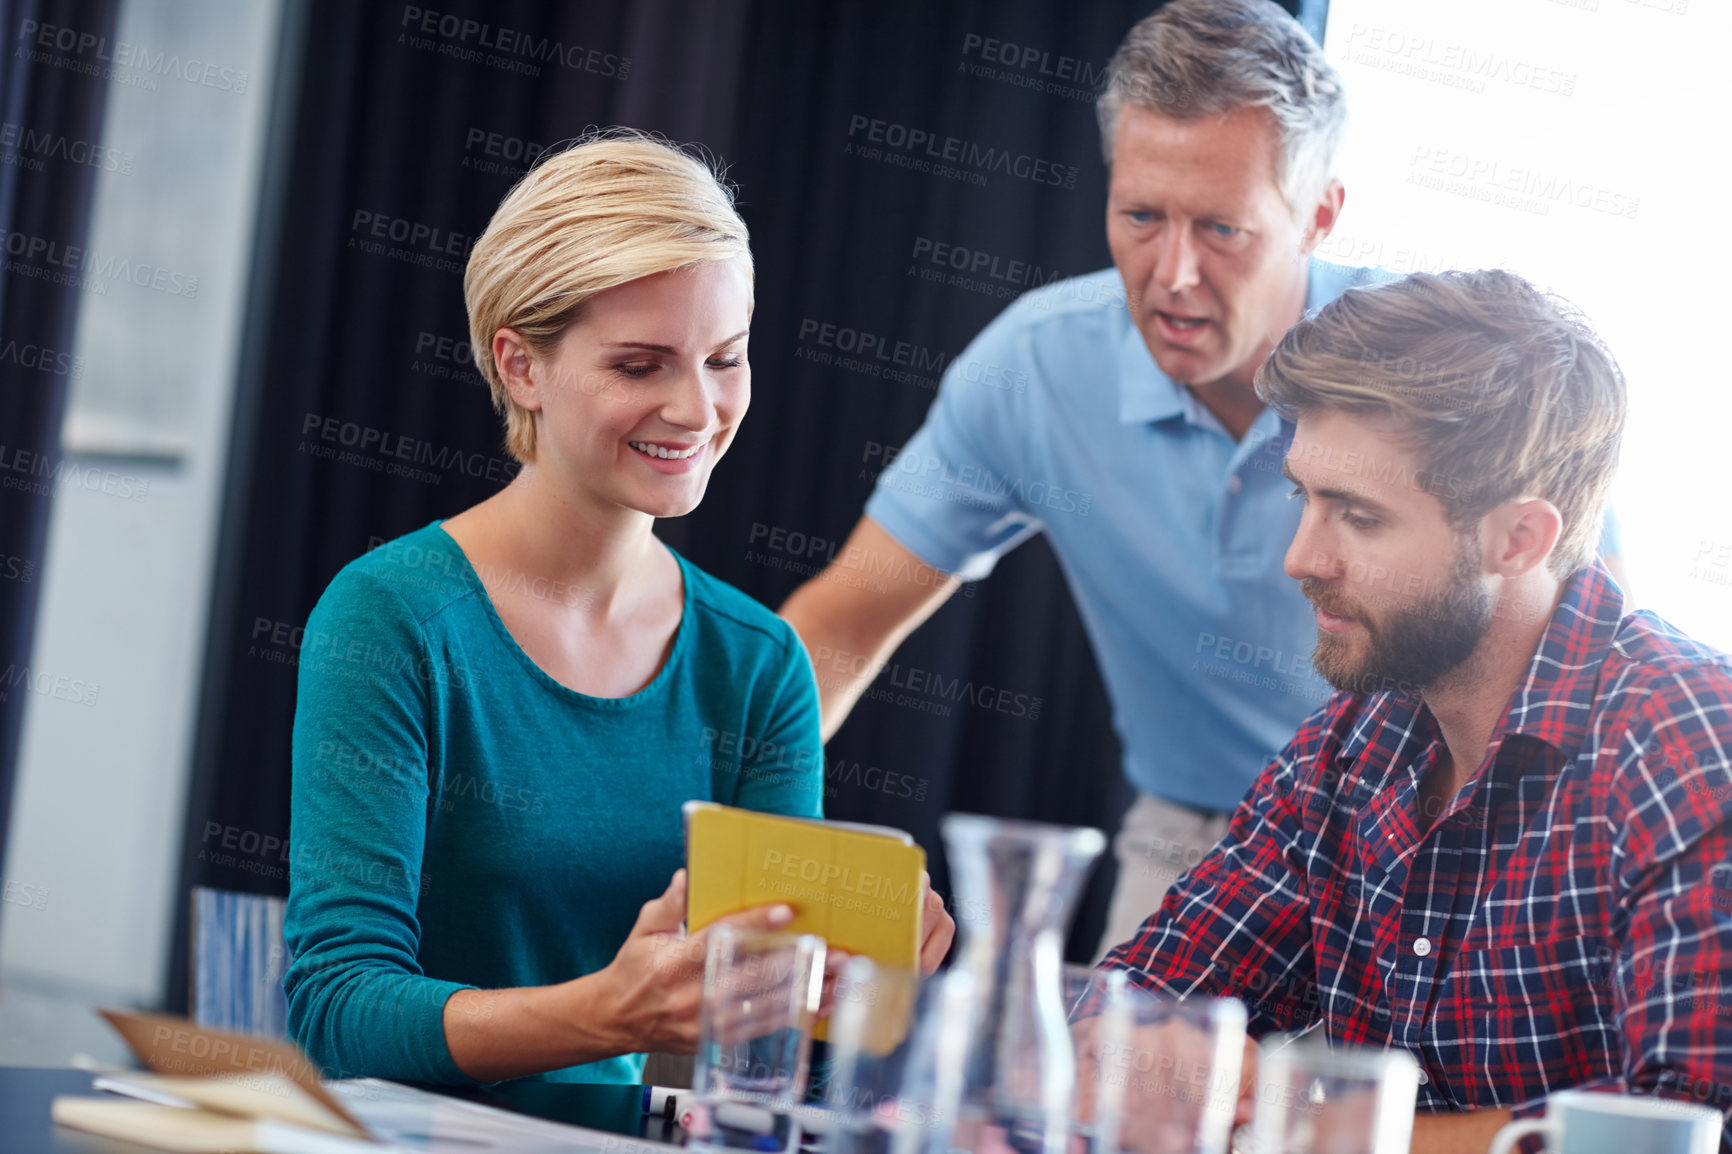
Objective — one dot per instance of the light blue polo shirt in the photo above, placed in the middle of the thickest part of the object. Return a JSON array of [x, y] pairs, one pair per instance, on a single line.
[[1170, 532]]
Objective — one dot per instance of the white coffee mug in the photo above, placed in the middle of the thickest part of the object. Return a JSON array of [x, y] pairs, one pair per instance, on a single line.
[[1582, 1122]]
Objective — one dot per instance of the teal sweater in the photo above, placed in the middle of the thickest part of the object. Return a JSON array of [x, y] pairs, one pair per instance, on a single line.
[[460, 819]]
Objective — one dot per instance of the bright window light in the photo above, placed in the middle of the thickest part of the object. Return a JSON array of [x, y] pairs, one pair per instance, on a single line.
[[1582, 144]]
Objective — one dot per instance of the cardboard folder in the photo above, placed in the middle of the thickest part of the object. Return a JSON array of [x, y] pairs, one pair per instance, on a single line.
[[245, 1094]]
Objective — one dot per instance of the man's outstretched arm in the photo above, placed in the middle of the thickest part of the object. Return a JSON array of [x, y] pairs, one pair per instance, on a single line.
[[854, 614]]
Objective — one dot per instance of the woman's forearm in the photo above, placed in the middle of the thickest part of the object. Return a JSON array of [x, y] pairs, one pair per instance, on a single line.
[[647, 998], [498, 1034]]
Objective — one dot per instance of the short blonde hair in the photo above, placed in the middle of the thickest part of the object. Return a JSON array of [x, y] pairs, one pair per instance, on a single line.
[[1504, 391], [615, 206]]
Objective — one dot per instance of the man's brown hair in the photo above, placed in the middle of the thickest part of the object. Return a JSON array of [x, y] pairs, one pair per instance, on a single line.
[[1504, 392]]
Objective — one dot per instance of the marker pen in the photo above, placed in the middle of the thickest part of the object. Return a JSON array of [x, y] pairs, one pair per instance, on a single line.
[[663, 1101]]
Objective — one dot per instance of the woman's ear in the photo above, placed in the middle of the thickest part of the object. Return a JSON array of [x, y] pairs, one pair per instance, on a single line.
[[516, 368]]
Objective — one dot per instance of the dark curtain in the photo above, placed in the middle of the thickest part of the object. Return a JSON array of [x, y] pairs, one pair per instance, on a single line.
[[53, 86], [401, 139]]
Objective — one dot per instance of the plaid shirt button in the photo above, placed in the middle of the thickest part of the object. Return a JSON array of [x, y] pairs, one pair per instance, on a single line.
[[1422, 946]]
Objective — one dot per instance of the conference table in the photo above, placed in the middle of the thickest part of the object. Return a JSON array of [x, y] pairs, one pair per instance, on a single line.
[[26, 1094]]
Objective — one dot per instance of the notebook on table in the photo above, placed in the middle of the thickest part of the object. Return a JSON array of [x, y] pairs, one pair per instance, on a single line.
[[209, 1090]]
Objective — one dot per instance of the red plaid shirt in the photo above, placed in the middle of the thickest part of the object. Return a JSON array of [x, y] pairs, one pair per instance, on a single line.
[[1566, 922]]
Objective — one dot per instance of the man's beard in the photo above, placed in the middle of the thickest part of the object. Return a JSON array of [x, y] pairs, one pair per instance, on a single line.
[[1412, 647]]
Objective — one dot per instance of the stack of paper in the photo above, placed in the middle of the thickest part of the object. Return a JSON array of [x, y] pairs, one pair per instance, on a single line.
[[213, 1091]]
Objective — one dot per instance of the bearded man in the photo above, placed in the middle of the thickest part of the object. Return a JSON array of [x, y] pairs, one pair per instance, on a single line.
[[1502, 844]]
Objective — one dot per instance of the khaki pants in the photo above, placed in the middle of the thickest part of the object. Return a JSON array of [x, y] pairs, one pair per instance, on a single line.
[[1158, 841]]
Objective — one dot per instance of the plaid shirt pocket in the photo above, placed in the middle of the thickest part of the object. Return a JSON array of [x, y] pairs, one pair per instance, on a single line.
[[1514, 1023]]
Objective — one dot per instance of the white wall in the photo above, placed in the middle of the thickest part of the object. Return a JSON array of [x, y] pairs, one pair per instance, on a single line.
[[1581, 143], [107, 740]]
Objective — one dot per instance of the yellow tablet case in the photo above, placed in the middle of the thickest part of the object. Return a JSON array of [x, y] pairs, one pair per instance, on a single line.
[[855, 886]]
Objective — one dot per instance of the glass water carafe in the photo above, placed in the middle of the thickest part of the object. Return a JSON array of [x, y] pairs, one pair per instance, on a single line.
[[1017, 884]]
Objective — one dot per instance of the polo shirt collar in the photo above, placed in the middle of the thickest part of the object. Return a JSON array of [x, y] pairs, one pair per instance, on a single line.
[[1145, 392], [1148, 394]]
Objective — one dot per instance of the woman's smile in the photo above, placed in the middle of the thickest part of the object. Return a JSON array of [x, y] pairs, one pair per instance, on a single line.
[[670, 457]]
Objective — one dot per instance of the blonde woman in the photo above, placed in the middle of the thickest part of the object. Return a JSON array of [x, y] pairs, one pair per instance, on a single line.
[[501, 714]]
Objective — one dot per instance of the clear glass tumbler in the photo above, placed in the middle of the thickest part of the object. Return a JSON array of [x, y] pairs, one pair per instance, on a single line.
[[1315, 1100], [761, 994], [883, 1019], [1155, 1074]]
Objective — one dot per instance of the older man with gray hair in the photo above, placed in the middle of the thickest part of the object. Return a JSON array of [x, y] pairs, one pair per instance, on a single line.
[[1133, 437]]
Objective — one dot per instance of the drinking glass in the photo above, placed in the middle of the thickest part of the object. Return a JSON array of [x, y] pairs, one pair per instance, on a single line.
[[1156, 1074], [884, 1024], [1315, 1100], [760, 1001]]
